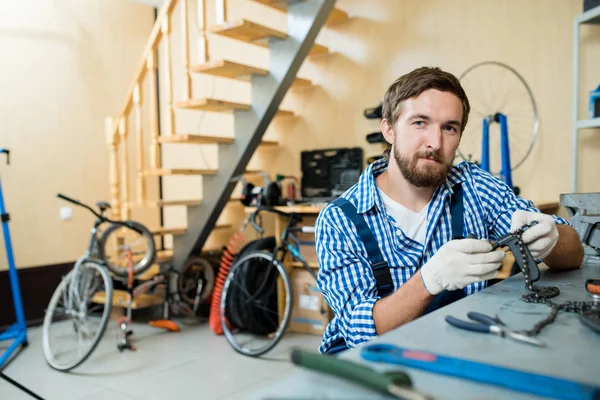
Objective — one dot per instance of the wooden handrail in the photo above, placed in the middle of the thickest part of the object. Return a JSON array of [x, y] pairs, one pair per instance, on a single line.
[[163, 15]]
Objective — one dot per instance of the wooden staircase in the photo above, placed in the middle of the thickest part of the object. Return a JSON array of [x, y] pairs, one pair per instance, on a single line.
[[250, 120]]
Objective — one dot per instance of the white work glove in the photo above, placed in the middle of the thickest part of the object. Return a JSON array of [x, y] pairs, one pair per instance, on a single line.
[[541, 238], [459, 263]]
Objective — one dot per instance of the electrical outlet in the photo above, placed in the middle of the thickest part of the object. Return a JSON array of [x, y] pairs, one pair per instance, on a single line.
[[66, 213]]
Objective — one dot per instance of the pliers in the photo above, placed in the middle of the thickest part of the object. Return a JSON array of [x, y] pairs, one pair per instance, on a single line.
[[495, 326]]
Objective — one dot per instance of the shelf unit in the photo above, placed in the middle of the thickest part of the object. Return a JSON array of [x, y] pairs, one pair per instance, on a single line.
[[590, 17]]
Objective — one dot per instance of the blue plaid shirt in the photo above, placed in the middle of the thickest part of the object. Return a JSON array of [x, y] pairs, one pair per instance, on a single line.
[[345, 277]]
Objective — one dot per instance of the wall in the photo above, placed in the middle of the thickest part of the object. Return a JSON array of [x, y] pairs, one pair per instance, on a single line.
[[385, 39], [66, 65]]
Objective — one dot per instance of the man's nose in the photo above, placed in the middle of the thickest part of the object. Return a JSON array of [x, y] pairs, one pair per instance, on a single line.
[[434, 137]]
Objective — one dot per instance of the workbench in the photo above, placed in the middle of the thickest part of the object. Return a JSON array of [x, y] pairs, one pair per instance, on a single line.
[[572, 350]]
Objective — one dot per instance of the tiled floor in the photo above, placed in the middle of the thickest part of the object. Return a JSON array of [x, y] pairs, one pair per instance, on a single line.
[[190, 364]]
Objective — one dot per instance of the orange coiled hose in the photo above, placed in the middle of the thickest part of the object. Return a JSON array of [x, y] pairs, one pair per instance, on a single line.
[[233, 248]]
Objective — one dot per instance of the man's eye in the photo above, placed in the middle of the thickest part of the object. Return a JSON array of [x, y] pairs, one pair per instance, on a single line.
[[419, 123], [451, 128]]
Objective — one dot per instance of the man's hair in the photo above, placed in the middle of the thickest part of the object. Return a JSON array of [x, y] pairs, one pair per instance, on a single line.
[[412, 85]]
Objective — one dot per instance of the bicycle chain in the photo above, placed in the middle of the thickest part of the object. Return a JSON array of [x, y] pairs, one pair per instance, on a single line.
[[544, 295]]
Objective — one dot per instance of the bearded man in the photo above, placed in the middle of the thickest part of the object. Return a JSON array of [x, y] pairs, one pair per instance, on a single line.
[[414, 233]]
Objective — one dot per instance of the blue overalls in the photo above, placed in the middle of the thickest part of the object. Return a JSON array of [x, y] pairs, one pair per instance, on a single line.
[[381, 270]]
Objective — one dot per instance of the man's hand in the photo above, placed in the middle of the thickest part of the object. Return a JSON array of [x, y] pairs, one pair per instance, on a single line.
[[459, 263], [540, 238]]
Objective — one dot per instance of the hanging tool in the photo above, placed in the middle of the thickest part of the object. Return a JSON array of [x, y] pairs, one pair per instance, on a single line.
[[396, 383], [522, 381], [486, 324]]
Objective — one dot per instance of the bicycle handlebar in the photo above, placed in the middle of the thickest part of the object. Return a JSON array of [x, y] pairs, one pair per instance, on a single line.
[[78, 203], [7, 152], [70, 200], [268, 209]]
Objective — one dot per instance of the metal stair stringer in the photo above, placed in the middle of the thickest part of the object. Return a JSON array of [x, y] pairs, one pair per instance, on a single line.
[[305, 20]]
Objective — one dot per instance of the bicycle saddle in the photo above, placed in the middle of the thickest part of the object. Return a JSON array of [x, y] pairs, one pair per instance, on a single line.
[[102, 205]]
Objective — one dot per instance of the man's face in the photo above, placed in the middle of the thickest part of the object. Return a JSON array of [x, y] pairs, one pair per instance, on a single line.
[[426, 136]]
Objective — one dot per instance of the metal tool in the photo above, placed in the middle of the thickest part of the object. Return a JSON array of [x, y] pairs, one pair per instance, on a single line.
[[513, 379], [396, 383], [523, 257], [486, 324]]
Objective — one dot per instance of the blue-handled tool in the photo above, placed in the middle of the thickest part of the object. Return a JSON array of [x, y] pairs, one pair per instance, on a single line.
[[486, 324], [522, 381]]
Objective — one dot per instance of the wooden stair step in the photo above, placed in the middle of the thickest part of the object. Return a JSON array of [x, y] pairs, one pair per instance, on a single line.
[[318, 50], [120, 297], [178, 171], [164, 255], [180, 230], [205, 139], [149, 273], [212, 105], [247, 31], [228, 69], [194, 139], [253, 33], [335, 17], [234, 70], [301, 83], [165, 203], [222, 106]]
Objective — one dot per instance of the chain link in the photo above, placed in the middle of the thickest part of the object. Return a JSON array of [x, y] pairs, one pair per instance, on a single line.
[[544, 295]]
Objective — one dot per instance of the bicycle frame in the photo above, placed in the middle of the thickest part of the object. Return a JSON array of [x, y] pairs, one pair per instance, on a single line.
[[288, 242]]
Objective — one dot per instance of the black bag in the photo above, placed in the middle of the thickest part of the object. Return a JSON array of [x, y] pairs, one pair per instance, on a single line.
[[258, 314]]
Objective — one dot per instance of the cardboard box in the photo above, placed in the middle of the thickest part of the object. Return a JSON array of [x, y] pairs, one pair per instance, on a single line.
[[310, 312]]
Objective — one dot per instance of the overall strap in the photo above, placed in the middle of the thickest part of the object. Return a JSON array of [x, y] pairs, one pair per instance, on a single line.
[[457, 210], [380, 267]]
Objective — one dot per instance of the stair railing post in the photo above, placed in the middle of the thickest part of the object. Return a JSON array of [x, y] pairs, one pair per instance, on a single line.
[[124, 134], [113, 146], [155, 157], [187, 89], [140, 181], [221, 9], [203, 38], [170, 117]]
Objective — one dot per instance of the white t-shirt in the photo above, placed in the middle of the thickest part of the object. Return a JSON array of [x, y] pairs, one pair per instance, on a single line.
[[414, 225]]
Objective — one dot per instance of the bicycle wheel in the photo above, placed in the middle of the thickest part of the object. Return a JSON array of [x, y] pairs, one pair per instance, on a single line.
[[117, 238], [494, 87], [197, 275], [256, 303], [76, 318]]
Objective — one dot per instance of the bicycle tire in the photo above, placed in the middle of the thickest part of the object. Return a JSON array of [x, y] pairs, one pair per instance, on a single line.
[[149, 255], [58, 293], [285, 320], [192, 267]]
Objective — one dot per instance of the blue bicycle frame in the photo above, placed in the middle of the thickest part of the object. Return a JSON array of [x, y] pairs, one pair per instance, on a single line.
[[17, 331], [505, 170]]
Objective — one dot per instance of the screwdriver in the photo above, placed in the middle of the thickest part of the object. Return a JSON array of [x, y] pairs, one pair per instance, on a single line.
[[396, 383]]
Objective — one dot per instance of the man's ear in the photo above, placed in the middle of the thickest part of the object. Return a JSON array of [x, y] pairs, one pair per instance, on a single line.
[[388, 131]]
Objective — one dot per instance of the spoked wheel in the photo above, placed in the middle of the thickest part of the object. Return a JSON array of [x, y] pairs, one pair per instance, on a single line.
[[493, 87], [196, 282], [76, 316], [256, 304], [118, 239]]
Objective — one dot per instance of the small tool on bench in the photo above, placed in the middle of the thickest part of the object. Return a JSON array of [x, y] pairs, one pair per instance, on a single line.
[[396, 383], [513, 379]]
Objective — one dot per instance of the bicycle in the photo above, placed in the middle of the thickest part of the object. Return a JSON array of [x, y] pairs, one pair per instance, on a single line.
[[256, 321], [82, 301]]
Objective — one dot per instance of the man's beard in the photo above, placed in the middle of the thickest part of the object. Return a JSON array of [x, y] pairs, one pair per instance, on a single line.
[[426, 176]]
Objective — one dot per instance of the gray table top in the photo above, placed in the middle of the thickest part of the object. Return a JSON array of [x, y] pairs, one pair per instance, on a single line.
[[572, 350]]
